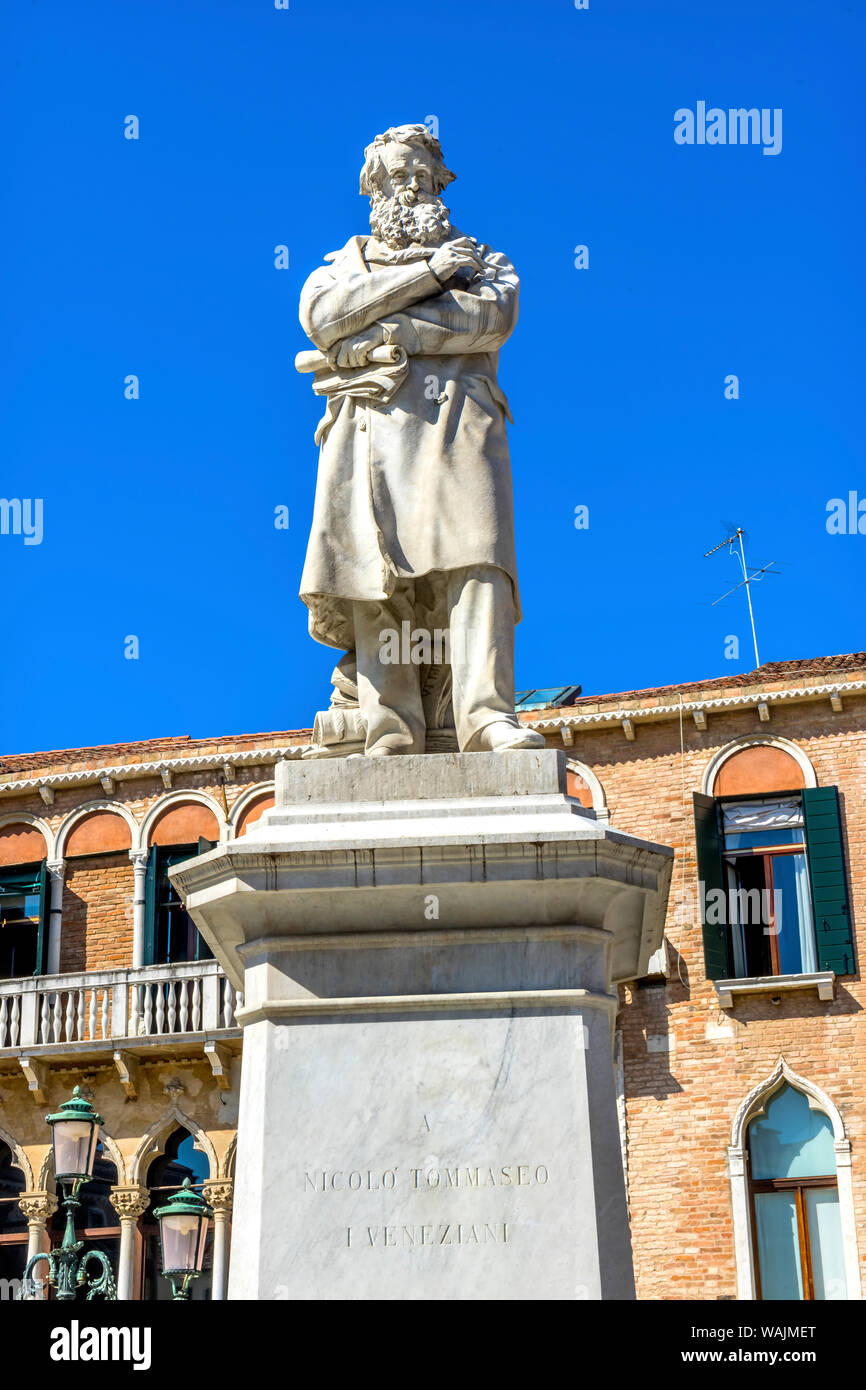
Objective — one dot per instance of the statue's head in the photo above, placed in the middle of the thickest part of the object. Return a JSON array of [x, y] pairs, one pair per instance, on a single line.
[[403, 174]]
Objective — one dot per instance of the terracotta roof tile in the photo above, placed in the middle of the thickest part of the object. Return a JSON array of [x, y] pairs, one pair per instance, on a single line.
[[152, 749]]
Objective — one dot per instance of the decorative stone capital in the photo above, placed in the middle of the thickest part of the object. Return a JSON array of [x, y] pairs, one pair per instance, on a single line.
[[131, 1201], [219, 1195], [38, 1207], [139, 859], [56, 868]]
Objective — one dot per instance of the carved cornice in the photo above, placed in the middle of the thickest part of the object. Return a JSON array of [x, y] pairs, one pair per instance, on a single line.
[[615, 714], [219, 1195], [127, 772], [131, 1201], [38, 1206]]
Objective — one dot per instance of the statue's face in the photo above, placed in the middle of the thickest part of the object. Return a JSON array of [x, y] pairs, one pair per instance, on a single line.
[[409, 170]]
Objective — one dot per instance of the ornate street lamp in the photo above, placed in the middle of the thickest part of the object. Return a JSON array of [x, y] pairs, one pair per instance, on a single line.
[[74, 1137], [182, 1235]]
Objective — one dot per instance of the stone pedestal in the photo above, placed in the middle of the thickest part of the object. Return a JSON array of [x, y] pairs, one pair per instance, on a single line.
[[428, 949]]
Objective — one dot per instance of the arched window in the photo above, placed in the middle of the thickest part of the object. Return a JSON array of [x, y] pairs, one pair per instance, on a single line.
[[794, 1196], [13, 1222], [165, 1175], [771, 867]]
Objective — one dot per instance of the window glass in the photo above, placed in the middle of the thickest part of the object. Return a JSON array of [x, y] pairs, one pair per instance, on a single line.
[[778, 1245], [791, 1141], [825, 1242], [769, 897], [793, 910]]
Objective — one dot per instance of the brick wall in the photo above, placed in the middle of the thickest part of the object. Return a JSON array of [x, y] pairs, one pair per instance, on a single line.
[[97, 913], [680, 1103]]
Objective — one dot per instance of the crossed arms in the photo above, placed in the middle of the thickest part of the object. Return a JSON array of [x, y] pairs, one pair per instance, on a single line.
[[347, 311]]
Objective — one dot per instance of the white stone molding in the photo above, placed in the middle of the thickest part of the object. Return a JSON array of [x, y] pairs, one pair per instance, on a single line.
[[599, 799], [36, 822], [249, 795], [112, 1152], [38, 1207], [181, 797], [46, 1181], [130, 1202], [756, 741], [114, 808], [128, 772], [753, 1105], [228, 1163], [220, 1194], [57, 873], [152, 1144], [718, 704], [36, 1072], [824, 981], [19, 1157], [139, 876]]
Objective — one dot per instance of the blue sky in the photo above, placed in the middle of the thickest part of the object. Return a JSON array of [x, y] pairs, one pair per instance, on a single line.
[[156, 257]]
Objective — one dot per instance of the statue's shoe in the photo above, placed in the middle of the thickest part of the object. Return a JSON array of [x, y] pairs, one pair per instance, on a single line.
[[502, 736]]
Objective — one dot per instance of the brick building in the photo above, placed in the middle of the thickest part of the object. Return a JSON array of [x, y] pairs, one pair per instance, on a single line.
[[740, 1058]]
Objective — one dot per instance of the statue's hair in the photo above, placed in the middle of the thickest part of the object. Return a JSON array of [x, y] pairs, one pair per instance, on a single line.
[[416, 135]]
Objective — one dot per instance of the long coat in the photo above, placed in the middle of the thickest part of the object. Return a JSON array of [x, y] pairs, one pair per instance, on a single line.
[[422, 481]]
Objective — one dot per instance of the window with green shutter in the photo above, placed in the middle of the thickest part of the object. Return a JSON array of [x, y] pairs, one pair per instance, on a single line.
[[833, 933], [711, 878], [24, 909], [170, 934], [773, 888]]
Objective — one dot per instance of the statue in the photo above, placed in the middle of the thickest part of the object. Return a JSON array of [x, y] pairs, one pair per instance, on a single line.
[[410, 566]]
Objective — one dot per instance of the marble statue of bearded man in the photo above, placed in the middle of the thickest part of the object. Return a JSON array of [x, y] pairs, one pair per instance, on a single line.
[[413, 520]]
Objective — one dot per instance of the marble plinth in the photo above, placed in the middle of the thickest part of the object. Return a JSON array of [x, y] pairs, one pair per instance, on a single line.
[[428, 948]]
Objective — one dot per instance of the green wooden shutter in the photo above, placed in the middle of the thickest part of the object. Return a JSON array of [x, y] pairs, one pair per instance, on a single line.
[[826, 857], [150, 906], [707, 840], [44, 917]]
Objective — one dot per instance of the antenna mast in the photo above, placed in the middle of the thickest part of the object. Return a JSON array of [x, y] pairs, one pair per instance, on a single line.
[[737, 538]]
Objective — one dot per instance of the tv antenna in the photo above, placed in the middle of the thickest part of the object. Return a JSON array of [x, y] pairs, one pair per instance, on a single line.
[[750, 576]]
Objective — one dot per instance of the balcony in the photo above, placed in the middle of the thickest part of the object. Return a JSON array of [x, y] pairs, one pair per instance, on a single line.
[[127, 1014]]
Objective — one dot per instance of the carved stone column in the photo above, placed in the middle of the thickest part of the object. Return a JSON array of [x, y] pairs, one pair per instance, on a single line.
[[130, 1202], [56, 871], [38, 1207], [139, 870], [219, 1195]]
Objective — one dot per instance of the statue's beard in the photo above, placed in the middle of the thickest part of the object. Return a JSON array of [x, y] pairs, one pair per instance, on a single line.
[[409, 219]]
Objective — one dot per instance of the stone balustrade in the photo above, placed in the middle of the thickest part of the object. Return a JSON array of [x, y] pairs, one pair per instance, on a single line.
[[108, 1005]]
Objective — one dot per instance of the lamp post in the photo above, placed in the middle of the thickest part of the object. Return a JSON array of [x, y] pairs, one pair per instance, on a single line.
[[182, 1235], [74, 1137]]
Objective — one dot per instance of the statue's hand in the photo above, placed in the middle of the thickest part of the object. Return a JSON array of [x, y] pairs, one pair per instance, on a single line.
[[353, 352], [454, 255]]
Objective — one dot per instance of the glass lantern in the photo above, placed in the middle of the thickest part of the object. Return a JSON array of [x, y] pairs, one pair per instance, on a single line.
[[74, 1137], [183, 1226]]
